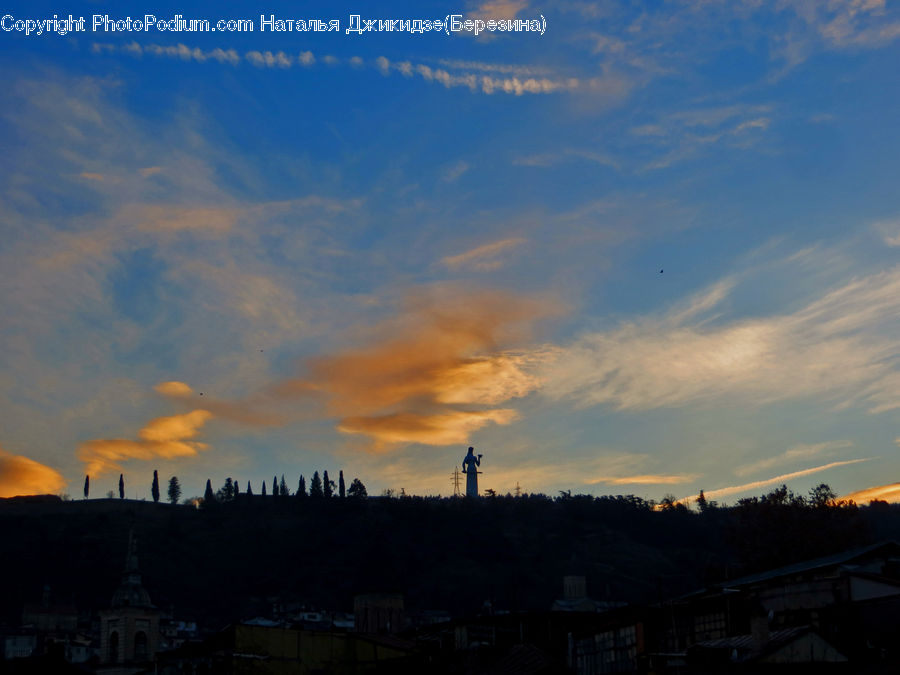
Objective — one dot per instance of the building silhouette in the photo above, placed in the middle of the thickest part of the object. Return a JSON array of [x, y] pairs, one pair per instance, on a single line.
[[129, 629]]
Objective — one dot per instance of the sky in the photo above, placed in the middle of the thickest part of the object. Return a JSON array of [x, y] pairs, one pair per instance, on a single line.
[[649, 249]]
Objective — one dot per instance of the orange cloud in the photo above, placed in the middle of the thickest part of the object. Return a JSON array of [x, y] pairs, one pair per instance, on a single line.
[[162, 437], [176, 389], [22, 476], [452, 428], [647, 479], [218, 220], [243, 412], [428, 375], [499, 9], [887, 493]]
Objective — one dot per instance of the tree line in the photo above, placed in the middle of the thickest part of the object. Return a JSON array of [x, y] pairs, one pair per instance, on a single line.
[[319, 488]]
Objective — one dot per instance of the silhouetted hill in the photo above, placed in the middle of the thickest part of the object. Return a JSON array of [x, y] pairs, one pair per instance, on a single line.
[[226, 562]]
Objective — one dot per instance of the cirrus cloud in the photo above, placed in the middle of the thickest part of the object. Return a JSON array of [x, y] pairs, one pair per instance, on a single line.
[[840, 346]]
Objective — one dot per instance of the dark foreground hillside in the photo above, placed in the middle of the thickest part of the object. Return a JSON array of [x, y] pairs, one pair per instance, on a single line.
[[230, 561]]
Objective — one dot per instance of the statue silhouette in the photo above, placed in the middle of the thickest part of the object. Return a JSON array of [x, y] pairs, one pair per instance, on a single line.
[[470, 466]]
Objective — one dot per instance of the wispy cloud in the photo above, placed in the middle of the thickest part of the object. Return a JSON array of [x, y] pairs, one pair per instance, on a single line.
[[849, 23], [258, 410], [647, 479], [485, 257], [518, 70], [798, 452], [686, 134], [170, 218], [889, 230], [839, 347], [556, 157], [23, 476], [452, 173], [505, 79], [563, 472], [754, 485]]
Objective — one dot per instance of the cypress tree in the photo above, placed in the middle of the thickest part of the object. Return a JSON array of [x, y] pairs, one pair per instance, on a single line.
[[274, 487], [87, 486], [326, 484], [315, 486], [121, 486], [249, 488], [237, 488], [154, 489], [301, 488], [283, 488], [209, 496], [341, 491], [264, 489]]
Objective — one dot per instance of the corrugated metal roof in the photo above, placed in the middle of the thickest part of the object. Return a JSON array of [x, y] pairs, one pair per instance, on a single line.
[[745, 642], [828, 561]]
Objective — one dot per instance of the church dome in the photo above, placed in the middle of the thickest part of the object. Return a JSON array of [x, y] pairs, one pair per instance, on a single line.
[[131, 595], [130, 592]]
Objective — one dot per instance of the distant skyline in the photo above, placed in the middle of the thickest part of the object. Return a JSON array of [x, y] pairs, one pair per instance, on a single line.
[[652, 250]]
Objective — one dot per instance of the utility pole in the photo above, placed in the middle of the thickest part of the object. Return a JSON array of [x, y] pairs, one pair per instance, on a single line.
[[454, 480], [518, 490]]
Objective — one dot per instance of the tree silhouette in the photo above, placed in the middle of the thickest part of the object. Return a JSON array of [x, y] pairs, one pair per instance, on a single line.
[[315, 486], [87, 486], [249, 489], [121, 486], [357, 489], [702, 504], [341, 491], [174, 490], [822, 495], [283, 488], [209, 496], [264, 489], [301, 488], [237, 488], [154, 489], [226, 492], [274, 486], [327, 485]]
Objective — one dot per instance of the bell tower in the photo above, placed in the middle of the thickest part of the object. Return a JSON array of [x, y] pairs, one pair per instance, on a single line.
[[129, 629]]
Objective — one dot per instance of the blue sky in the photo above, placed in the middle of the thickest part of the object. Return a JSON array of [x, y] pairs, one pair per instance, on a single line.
[[650, 251]]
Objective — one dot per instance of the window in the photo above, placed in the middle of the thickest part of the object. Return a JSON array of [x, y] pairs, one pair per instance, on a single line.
[[114, 647], [140, 646]]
